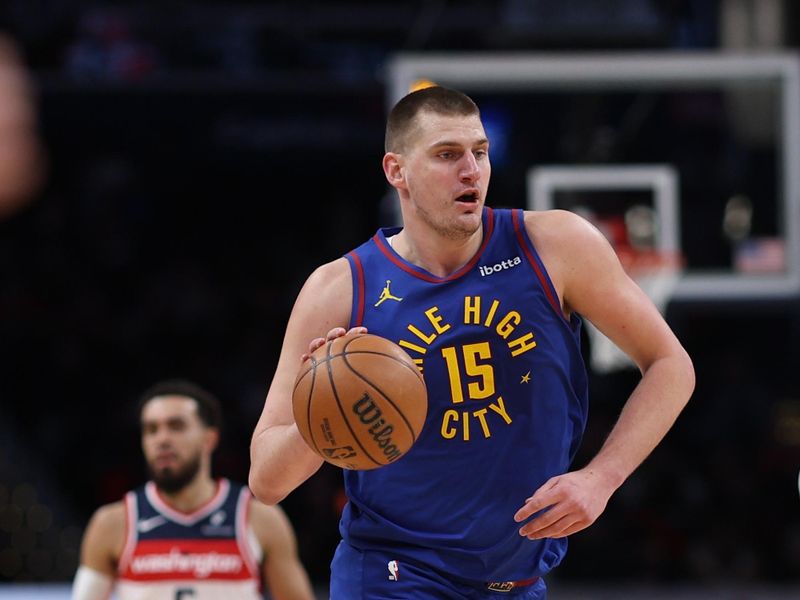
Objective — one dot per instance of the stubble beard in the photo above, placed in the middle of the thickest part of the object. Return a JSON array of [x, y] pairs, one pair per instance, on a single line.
[[452, 229], [173, 480]]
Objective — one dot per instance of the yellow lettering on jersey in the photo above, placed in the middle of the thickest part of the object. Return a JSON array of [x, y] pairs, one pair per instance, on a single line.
[[448, 431], [452, 421], [472, 310], [500, 409], [505, 327], [522, 344], [484, 388], [454, 374], [425, 338], [492, 310], [413, 347], [481, 416], [436, 319]]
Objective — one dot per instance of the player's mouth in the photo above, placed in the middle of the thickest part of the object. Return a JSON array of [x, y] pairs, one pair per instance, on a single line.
[[469, 197], [165, 460]]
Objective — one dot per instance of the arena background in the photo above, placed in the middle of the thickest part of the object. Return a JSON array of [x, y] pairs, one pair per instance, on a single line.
[[196, 160]]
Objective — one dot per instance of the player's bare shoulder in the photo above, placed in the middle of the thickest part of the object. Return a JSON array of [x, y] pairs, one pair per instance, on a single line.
[[564, 241], [110, 517], [324, 302], [104, 537], [331, 273], [328, 284], [552, 229]]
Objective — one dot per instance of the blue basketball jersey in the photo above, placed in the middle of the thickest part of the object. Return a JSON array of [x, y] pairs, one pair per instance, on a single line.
[[507, 405]]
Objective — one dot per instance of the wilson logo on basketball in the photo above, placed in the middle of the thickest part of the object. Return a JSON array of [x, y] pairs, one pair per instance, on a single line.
[[359, 401], [369, 414]]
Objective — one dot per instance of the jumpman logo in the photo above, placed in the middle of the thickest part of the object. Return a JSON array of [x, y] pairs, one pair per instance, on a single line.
[[386, 294]]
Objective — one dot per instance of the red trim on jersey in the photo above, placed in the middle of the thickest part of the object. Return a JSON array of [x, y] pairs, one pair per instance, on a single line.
[[243, 530], [187, 517], [521, 238], [202, 560], [131, 534], [360, 291], [398, 262]]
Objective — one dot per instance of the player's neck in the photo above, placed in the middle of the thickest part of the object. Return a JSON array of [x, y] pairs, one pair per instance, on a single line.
[[437, 255], [193, 495]]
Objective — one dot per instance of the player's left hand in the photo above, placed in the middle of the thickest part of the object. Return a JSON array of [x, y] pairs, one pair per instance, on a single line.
[[334, 333], [568, 502]]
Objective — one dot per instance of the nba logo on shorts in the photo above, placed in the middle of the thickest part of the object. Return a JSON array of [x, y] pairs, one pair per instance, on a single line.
[[394, 570]]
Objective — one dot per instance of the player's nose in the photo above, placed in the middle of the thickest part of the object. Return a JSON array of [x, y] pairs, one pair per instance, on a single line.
[[469, 170], [162, 438]]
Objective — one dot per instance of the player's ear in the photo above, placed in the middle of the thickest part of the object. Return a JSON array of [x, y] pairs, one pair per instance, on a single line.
[[393, 169], [212, 438]]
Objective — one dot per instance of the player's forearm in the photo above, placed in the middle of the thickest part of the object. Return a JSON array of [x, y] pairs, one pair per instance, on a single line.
[[279, 462], [290, 582], [647, 416]]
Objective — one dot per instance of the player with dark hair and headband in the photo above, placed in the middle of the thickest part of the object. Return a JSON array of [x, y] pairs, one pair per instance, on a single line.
[[184, 535], [489, 302]]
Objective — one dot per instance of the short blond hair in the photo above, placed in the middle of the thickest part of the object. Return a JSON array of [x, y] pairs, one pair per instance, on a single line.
[[435, 99]]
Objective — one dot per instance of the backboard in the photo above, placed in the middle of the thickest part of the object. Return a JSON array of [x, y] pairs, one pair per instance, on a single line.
[[709, 141]]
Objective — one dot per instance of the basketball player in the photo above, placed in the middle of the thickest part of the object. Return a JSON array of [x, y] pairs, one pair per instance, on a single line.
[[490, 303], [184, 535]]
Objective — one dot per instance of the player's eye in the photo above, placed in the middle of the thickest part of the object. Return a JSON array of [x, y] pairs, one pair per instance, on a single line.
[[177, 425]]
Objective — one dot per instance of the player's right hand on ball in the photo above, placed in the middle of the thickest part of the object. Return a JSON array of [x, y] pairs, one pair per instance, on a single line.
[[332, 335]]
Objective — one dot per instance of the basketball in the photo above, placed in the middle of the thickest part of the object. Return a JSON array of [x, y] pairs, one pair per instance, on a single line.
[[360, 402]]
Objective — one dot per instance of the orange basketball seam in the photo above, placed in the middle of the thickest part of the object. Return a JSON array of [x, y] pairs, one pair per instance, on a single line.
[[303, 373], [380, 391], [413, 368], [346, 386], [313, 370], [341, 409], [362, 335]]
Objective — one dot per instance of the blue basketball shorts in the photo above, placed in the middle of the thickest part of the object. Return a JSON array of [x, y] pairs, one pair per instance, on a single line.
[[377, 575]]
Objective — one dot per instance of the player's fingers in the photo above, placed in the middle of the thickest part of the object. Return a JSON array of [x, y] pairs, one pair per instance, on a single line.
[[558, 528], [542, 498], [312, 345], [331, 335], [335, 333], [575, 528], [543, 520]]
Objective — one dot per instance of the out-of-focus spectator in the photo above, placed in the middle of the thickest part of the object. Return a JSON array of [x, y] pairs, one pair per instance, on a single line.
[[21, 153]]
